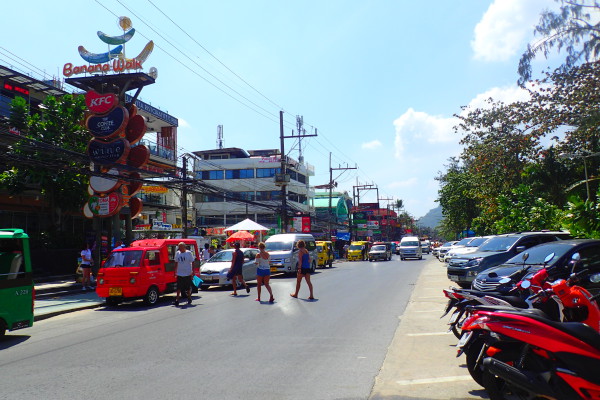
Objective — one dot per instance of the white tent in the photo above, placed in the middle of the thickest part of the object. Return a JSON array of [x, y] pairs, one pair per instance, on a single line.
[[247, 225]]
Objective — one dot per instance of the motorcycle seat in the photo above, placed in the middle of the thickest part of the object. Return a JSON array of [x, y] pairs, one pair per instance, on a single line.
[[581, 331]]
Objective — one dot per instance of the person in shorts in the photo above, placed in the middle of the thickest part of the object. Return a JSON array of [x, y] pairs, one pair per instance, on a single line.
[[304, 270], [263, 271], [184, 272], [235, 272]]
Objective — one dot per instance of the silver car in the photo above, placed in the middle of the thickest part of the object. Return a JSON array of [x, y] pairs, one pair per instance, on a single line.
[[214, 271]]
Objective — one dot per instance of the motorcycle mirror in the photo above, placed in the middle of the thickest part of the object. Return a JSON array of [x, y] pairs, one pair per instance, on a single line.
[[576, 257], [575, 260], [548, 258], [507, 280], [525, 284], [525, 256], [595, 278]]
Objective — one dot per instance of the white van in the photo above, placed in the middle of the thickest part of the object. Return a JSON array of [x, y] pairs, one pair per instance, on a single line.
[[410, 247], [284, 253]]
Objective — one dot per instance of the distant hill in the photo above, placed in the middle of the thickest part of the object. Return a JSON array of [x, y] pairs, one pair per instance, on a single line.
[[432, 218]]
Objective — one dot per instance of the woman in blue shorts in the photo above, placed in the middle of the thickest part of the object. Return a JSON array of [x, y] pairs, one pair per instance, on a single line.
[[304, 270], [263, 271]]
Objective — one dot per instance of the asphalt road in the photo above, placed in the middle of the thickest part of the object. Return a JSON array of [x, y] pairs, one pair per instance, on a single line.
[[221, 347]]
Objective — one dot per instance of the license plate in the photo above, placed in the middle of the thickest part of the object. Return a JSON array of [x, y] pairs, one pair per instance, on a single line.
[[273, 269], [464, 339], [115, 291], [453, 277], [454, 317]]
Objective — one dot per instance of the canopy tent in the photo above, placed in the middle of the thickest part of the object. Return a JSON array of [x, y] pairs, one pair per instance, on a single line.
[[239, 236], [246, 225]]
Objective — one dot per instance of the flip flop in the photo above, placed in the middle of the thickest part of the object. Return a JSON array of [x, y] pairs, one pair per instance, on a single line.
[[233, 294], [311, 298], [294, 296]]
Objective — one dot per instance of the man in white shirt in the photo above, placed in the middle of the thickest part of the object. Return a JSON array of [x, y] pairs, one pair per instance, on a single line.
[[184, 272], [206, 252]]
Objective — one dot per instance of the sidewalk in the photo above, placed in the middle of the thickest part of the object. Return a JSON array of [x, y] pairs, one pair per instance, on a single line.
[[421, 361], [63, 296]]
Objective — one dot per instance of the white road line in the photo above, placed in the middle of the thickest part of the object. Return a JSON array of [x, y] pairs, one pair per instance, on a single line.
[[443, 379], [428, 334]]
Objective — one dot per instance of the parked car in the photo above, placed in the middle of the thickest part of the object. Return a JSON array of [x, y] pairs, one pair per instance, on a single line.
[[559, 267], [470, 247], [457, 245], [380, 251], [214, 271], [495, 251], [443, 249]]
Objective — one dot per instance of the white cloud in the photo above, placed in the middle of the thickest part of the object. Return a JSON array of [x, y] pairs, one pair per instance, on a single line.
[[506, 27], [507, 95], [414, 126], [372, 145], [183, 123]]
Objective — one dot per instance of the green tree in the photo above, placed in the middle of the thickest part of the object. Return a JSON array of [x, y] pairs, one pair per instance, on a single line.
[[583, 218], [46, 159], [574, 28]]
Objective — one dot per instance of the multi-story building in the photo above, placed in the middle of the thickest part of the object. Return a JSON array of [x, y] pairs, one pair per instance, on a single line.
[[249, 176]]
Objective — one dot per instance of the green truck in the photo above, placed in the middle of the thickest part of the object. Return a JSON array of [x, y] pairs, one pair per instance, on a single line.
[[16, 281]]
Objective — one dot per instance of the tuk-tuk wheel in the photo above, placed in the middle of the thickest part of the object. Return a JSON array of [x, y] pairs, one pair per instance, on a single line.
[[151, 297]]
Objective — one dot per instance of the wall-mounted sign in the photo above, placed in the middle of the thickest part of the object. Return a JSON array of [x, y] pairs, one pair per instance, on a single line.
[[101, 184], [100, 103], [138, 156], [15, 88], [136, 128], [134, 185], [108, 125], [107, 153], [154, 189], [105, 206]]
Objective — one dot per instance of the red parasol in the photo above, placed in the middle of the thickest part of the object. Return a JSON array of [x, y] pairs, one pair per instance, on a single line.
[[240, 235]]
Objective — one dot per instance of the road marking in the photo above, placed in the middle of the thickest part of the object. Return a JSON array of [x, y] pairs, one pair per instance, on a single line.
[[428, 334], [444, 379]]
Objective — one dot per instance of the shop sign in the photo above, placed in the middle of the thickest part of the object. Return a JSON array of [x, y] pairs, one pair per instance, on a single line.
[[272, 159], [100, 103], [144, 227], [154, 189], [302, 224], [108, 125], [105, 206], [101, 184], [373, 224], [108, 152], [215, 231], [161, 226], [118, 66]]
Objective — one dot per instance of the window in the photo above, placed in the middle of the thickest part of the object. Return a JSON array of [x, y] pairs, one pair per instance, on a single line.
[[244, 195], [209, 175], [153, 257], [268, 195], [267, 172], [239, 173], [301, 178], [209, 198]]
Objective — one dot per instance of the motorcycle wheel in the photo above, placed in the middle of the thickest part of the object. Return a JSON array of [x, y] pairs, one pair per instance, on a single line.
[[472, 354]]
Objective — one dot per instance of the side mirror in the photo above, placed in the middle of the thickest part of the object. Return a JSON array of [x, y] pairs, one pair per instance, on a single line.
[[525, 284], [576, 257]]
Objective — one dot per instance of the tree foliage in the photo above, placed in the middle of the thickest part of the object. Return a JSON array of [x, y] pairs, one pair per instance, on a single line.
[[55, 128], [572, 28]]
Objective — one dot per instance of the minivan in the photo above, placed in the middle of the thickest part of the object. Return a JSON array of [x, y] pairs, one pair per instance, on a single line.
[[284, 251], [410, 247]]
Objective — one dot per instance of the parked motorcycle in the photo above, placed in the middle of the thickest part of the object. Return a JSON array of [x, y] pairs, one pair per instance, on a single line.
[[525, 354]]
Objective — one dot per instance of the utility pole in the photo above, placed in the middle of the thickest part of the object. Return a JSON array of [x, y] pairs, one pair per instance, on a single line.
[[356, 196], [387, 229], [331, 185], [283, 178], [184, 210]]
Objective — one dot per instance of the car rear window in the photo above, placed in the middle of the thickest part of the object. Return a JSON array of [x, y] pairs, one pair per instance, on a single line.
[[501, 243]]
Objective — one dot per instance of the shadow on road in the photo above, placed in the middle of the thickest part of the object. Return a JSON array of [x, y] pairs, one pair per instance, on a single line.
[[12, 340]]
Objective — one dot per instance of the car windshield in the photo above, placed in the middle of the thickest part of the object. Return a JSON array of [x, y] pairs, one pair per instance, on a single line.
[[356, 247], [279, 246], [463, 242], [476, 242], [222, 256], [499, 243], [320, 249], [410, 243], [538, 254], [378, 248], [123, 259]]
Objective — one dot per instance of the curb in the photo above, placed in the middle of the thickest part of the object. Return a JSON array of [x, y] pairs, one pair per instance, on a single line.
[[51, 314]]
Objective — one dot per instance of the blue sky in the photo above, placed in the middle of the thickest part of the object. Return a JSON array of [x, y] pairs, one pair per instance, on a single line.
[[380, 79]]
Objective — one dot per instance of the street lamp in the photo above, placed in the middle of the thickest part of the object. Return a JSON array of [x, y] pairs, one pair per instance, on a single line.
[[584, 156]]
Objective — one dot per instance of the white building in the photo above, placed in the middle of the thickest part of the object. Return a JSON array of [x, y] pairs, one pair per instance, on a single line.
[[249, 175]]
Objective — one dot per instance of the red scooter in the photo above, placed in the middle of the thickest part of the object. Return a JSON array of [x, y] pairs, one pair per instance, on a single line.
[[525, 355]]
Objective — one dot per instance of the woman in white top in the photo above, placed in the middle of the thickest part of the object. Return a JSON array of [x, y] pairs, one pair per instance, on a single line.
[[263, 271], [86, 267]]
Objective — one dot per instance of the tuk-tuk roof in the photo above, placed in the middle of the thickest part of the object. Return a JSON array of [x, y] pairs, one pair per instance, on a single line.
[[160, 242], [13, 233]]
